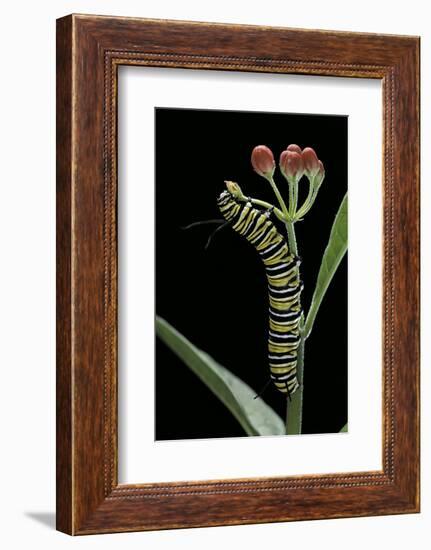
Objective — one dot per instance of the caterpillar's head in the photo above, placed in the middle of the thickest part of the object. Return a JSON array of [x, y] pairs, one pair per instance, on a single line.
[[233, 189]]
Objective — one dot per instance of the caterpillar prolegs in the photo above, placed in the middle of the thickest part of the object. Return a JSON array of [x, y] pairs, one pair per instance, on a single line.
[[284, 286]]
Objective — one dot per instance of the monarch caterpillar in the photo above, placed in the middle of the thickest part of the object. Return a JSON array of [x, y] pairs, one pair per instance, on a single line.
[[284, 286]]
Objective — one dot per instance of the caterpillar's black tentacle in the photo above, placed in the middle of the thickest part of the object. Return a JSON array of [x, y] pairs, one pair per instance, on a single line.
[[288, 393], [284, 287], [203, 222], [210, 238], [267, 383]]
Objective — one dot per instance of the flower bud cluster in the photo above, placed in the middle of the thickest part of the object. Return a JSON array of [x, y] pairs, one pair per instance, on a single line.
[[294, 163]]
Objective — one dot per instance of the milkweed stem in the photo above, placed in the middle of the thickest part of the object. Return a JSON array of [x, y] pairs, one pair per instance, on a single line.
[[308, 201], [290, 228], [279, 198], [289, 216], [294, 406]]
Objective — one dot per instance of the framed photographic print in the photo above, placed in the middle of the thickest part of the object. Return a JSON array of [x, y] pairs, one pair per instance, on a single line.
[[237, 274]]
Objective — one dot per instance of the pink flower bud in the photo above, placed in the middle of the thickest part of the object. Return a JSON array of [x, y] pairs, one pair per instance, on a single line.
[[311, 162], [294, 147], [291, 165], [262, 160]]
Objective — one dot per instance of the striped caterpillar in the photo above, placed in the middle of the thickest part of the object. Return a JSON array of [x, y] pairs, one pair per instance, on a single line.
[[284, 286]]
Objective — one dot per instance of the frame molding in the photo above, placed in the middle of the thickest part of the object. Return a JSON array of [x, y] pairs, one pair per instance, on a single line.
[[89, 51]]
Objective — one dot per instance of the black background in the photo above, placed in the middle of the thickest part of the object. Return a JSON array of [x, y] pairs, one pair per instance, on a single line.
[[217, 298]]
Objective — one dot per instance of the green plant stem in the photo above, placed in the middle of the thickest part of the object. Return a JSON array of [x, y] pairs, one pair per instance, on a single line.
[[279, 198], [291, 199], [294, 407], [290, 228], [308, 201], [295, 197]]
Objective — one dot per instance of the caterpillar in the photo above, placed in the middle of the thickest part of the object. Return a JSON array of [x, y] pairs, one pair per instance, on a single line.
[[284, 286]]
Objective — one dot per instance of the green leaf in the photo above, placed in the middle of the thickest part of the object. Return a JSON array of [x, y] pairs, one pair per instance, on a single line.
[[345, 428], [254, 415], [334, 252]]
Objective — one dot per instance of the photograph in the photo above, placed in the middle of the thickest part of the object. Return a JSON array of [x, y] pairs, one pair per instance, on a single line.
[[251, 273]]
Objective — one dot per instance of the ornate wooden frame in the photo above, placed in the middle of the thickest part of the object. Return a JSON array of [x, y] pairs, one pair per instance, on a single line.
[[89, 51]]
